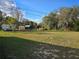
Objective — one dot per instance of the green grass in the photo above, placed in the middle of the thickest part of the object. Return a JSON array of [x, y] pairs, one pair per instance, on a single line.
[[67, 39], [39, 45], [19, 48]]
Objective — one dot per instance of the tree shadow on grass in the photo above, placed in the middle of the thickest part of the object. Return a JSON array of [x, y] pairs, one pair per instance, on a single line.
[[18, 48]]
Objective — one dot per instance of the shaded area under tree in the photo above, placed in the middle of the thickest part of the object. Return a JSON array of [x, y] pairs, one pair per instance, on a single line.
[[18, 48]]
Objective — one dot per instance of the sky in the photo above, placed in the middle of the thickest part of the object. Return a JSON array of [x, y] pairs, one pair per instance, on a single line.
[[36, 9]]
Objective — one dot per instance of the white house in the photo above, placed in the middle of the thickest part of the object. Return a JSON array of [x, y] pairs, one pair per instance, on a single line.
[[27, 26], [8, 27], [21, 28], [5, 27]]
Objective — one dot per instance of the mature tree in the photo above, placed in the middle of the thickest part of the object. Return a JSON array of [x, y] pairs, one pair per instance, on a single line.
[[10, 20], [50, 21], [1, 17], [65, 19]]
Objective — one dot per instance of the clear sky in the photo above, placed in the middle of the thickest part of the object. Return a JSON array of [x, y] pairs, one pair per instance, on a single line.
[[36, 9]]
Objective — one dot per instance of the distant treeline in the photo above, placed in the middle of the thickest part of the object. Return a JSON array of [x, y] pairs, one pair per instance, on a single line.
[[65, 19], [11, 23]]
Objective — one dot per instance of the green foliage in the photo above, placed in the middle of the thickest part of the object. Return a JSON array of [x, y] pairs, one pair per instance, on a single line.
[[1, 17], [10, 20], [49, 22], [64, 19]]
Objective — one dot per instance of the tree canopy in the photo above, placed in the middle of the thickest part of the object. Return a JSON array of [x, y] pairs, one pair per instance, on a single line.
[[64, 19]]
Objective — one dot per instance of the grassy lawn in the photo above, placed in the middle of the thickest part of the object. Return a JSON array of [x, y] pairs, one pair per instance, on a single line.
[[18, 48], [67, 39], [39, 45]]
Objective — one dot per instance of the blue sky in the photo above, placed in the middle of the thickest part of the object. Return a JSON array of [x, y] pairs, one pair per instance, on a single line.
[[36, 9]]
